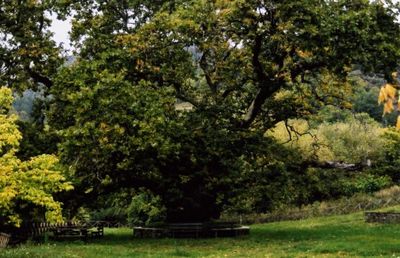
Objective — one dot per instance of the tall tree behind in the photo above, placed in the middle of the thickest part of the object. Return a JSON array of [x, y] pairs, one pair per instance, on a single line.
[[243, 65], [28, 55]]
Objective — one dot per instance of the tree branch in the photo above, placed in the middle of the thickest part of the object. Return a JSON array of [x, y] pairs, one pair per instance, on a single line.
[[303, 67], [337, 165], [266, 86], [180, 95], [204, 66], [38, 78]]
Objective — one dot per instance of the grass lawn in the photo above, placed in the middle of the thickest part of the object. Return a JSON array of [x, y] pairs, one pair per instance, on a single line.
[[335, 236]]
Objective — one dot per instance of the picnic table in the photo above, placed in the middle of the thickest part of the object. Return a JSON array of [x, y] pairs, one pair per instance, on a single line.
[[72, 231], [77, 232], [179, 230], [193, 230]]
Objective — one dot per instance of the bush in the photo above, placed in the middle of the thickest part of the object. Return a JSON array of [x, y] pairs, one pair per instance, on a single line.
[[146, 209], [27, 187], [345, 205], [350, 139], [366, 183], [113, 207]]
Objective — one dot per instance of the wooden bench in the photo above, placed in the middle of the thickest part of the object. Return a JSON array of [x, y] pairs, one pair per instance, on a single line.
[[180, 230], [224, 224], [70, 232], [96, 232], [4, 239], [145, 232], [226, 229], [230, 232], [192, 230], [83, 232]]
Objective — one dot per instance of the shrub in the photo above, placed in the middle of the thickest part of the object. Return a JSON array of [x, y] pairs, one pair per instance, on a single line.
[[345, 205], [26, 187], [146, 209], [365, 183]]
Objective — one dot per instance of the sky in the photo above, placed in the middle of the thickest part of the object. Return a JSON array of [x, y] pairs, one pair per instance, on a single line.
[[60, 29]]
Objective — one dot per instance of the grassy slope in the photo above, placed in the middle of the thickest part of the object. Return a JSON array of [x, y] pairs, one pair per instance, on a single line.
[[336, 236]]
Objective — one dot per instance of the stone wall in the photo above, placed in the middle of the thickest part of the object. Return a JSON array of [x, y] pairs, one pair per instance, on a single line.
[[382, 217]]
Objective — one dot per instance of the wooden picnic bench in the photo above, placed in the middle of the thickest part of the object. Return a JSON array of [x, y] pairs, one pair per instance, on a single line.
[[174, 230], [226, 229], [77, 232], [68, 232], [97, 231], [151, 232], [180, 230], [192, 230]]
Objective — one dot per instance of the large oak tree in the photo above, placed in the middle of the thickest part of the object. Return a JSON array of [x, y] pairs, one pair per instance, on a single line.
[[242, 65]]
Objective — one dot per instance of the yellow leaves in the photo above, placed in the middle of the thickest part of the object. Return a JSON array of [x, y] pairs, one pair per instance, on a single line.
[[304, 54], [32, 3], [350, 141], [33, 181], [387, 93], [398, 122], [54, 215], [223, 3], [347, 105], [6, 196], [104, 127], [387, 96], [108, 132], [388, 107], [299, 136], [139, 64], [33, 50], [103, 140], [9, 134], [5, 99]]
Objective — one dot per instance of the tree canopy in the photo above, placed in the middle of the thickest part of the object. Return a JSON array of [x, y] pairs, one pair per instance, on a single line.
[[243, 66]]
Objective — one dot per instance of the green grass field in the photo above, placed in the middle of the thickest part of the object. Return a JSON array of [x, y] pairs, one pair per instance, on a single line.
[[336, 236]]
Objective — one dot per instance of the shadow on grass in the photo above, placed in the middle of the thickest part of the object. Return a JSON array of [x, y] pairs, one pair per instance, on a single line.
[[360, 239]]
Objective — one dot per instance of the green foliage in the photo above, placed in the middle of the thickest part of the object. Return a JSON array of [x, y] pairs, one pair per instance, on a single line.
[[331, 114], [389, 165], [335, 135], [367, 183], [385, 198], [37, 136], [272, 178], [115, 106], [146, 209], [28, 55], [37, 139], [112, 207], [356, 141], [243, 66], [25, 185], [365, 102], [392, 152]]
